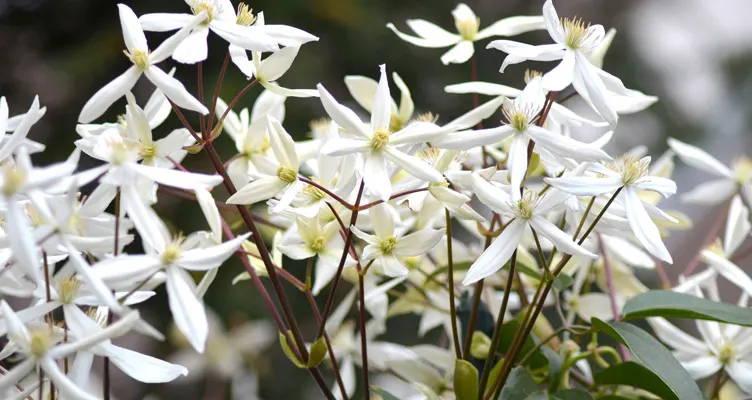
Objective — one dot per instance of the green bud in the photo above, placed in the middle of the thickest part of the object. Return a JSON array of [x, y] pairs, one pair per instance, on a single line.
[[465, 380], [480, 345], [288, 350], [317, 352]]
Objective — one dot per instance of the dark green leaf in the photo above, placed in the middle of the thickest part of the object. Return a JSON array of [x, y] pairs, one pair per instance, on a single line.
[[519, 385], [508, 331], [562, 282], [633, 374], [651, 354], [661, 303]]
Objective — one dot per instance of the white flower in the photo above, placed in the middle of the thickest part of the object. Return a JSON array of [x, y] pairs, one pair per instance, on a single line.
[[270, 69], [275, 175], [574, 41], [376, 142], [40, 349], [311, 238], [175, 259], [521, 115], [729, 182], [363, 89], [387, 247], [138, 366], [631, 175], [217, 16], [144, 62], [528, 212], [468, 29], [719, 257], [20, 125], [722, 346]]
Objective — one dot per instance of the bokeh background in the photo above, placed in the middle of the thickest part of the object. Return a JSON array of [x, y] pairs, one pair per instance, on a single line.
[[693, 54]]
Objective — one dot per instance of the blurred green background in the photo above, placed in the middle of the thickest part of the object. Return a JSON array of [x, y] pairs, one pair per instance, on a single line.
[[693, 54]]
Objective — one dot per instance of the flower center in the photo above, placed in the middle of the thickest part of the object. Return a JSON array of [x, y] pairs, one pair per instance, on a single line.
[[314, 192], [288, 175], [575, 30], [631, 169], [148, 151], [14, 180], [245, 15], [139, 58], [519, 121], [380, 139], [387, 245], [41, 340], [726, 353], [207, 6], [468, 28], [318, 244], [526, 204], [743, 168], [69, 289], [172, 252]]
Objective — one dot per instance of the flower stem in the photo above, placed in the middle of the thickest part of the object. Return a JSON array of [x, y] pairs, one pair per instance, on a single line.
[[537, 305], [496, 339], [450, 278]]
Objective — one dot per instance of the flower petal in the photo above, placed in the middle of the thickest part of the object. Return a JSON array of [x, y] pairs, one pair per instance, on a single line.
[[186, 308], [174, 90], [261, 189], [205, 258], [559, 238], [458, 54], [108, 94], [382, 103], [562, 75], [430, 35], [133, 34], [248, 37], [144, 368], [418, 242], [413, 165], [342, 115], [465, 140], [193, 48], [512, 26], [276, 64], [712, 192], [497, 254], [376, 175], [643, 227], [698, 158], [737, 226]]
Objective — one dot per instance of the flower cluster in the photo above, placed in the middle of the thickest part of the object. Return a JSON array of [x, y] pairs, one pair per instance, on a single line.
[[487, 227]]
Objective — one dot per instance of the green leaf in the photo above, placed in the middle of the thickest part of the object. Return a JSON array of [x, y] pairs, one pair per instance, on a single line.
[[508, 331], [661, 303], [465, 380], [317, 352], [519, 385], [384, 394], [651, 354], [288, 350], [562, 282], [633, 374]]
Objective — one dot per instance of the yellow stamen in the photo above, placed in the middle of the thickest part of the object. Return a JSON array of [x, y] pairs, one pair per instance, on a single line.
[[288, 175], [139, 58], [380, 139], [387, 245], [245, 15], [575, 30]]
